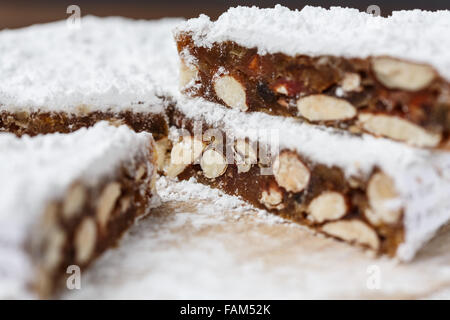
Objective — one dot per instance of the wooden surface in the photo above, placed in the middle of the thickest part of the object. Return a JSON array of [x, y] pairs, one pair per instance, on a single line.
[[198, 250]]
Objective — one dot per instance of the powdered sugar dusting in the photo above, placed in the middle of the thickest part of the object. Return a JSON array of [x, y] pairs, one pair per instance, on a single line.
[[178, 252], [414, 35], [211, 199], [40, 169], [417, 173], [108, 64]]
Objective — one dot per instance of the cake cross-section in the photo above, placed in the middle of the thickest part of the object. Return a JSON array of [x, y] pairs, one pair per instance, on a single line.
[[66, 199], [378, 193], [338, 67]]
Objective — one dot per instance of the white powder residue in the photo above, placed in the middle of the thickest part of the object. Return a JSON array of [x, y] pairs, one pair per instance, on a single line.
[[211, 199], [179, 252], [108, 64], [414, 35], [417, 173], [37, 170]]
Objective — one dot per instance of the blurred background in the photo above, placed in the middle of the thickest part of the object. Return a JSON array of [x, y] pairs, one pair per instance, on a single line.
[[19, 13]]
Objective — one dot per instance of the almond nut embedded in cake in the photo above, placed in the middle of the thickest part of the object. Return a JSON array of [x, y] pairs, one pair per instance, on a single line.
[[140, 172], [319, 107], [351, 82], [74, 201], [399, 129], [188, 74], [184, 153], [397, 74], [54, 242], [213, 163], [231, 92], [106, 202], [162, 148], [382, 196], [353, 231], [329, 205], [290, 172], [85, 240], [272, 197]]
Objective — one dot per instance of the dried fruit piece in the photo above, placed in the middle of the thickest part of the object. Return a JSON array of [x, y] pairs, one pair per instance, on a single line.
[[231, 92], [382, 197], [396, 74], [245, 155], [254, 64], [290, 172], [319, 107], [85, 240], [398, 129], [184, 153], [106, 202], [329, 205], [353, 231], [213, 163], [74, 200]]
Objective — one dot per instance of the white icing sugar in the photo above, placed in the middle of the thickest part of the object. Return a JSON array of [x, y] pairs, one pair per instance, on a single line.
[[187, 190], [196, 250], [107, 64], [37, 170], [414, 35], [212, 200], [419, 174]]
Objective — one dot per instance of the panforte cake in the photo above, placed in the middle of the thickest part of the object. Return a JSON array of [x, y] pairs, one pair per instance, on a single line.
[[340, 67], [334, 119], [66, 199], [58, 79], [374, 192]]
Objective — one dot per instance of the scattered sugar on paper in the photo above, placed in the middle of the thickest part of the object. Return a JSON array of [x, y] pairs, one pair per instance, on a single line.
[[172, 190]]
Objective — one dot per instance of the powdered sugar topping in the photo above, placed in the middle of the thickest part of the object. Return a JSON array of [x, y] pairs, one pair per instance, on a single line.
[[108, 64], [37, 170], [414, 35]]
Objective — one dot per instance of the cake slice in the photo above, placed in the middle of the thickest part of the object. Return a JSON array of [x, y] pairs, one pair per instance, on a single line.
[[340, 67], [381, 194], [58, 79], [377, 193], [66, 199]]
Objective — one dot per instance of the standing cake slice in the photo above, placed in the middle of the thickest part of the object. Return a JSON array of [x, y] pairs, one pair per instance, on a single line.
[[66, 199], [337, 67]]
